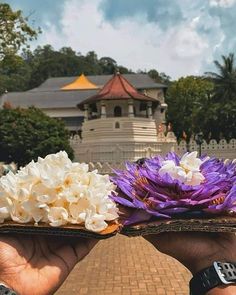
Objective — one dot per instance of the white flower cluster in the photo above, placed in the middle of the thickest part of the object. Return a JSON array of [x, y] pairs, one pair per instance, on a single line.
[[188, 171], [57, 192]]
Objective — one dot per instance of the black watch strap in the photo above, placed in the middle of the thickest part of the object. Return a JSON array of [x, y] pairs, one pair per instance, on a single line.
[[220, 273], [4, 290]]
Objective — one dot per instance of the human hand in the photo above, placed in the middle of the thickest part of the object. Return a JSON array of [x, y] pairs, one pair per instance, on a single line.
[[38, 265], [197, 251]]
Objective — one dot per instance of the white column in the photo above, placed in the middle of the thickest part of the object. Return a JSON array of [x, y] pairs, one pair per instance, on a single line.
[[130, 108], [86, 114], [163, 113], [103, 110], [149, 109]]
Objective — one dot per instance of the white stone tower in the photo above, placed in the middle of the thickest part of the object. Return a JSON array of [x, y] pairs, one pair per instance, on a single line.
[[120, 124]]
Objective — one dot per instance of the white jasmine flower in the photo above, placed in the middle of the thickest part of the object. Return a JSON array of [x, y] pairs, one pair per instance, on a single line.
[[56, 191], [9, 185], [95, 222], [30, 173], [52, 175], [5, 207], [110, 211], [23, 194], [38, 211], [75, 193], [78, 210], [44, 194], [80, 168], [19, 214], [59, 159], [57, 216]]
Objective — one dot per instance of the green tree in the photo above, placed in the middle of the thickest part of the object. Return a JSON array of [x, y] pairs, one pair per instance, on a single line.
[[225, 79], [159, 77], [108, 65], [45, 62], [124, 70], [14, 73], [188, 112], [26, 134], [224, 98], [14, 30]]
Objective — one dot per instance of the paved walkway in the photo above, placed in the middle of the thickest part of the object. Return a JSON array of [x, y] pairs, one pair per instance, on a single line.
[[126, 266]]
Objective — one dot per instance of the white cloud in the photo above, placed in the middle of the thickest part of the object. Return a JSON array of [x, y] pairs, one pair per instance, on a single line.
[[222, 3], [133, 43]]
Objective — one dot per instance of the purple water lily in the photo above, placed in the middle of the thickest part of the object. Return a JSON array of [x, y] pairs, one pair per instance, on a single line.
[[164, 187]]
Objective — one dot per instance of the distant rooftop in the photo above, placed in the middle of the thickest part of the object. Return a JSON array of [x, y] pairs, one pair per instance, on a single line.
[[80, 83], [50, 95], [117, 88], [139, 81]]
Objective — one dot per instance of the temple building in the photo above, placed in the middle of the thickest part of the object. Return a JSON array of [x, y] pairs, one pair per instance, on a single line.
[[112, 118], [59, 97], [119, 123]]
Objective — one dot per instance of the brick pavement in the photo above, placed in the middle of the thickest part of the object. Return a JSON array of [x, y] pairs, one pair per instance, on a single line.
[[126, 266]]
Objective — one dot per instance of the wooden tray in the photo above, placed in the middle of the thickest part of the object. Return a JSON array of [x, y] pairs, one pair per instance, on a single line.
[[216, 224], [63, 231]]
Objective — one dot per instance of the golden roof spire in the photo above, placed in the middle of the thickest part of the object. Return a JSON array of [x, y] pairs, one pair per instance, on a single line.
[[81, 83]]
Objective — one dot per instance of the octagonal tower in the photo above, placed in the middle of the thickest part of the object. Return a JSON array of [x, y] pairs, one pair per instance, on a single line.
[[120, 123]]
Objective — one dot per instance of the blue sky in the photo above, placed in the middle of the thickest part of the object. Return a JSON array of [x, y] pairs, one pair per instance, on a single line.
[[178, 37]]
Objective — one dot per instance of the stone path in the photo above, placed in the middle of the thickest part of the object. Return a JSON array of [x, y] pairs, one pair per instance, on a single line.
[[126, 266]]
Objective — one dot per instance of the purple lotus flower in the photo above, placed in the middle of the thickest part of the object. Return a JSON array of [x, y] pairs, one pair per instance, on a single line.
[[164, 187]]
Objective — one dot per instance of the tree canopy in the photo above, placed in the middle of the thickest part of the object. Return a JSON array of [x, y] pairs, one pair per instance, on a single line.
[[26, 134], [224, 79], [205, 104], [224, 98], [14, 30], [32, 68], [189, 106]]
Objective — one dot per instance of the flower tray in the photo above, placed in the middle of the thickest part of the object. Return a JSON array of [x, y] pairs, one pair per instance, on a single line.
[[216, 224], [63, 231]]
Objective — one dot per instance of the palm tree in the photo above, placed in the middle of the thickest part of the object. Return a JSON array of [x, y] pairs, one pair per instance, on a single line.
[[224, 98], [225, 79]]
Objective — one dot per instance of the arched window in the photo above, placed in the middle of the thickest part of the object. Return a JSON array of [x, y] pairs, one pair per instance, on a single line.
[[117, 125], [117, 111]]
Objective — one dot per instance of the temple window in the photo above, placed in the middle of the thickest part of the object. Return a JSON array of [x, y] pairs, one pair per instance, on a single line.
[[117, 125], [117, 111]]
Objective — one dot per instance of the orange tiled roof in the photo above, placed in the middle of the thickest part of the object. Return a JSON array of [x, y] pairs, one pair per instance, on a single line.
[[118, 88]]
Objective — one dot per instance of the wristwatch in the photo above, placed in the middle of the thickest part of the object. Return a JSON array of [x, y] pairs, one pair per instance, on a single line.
[[5, 290], [220, 273]]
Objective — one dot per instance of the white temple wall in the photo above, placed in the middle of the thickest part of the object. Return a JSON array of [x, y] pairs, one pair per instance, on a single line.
[[131, 130], [104, 157]]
